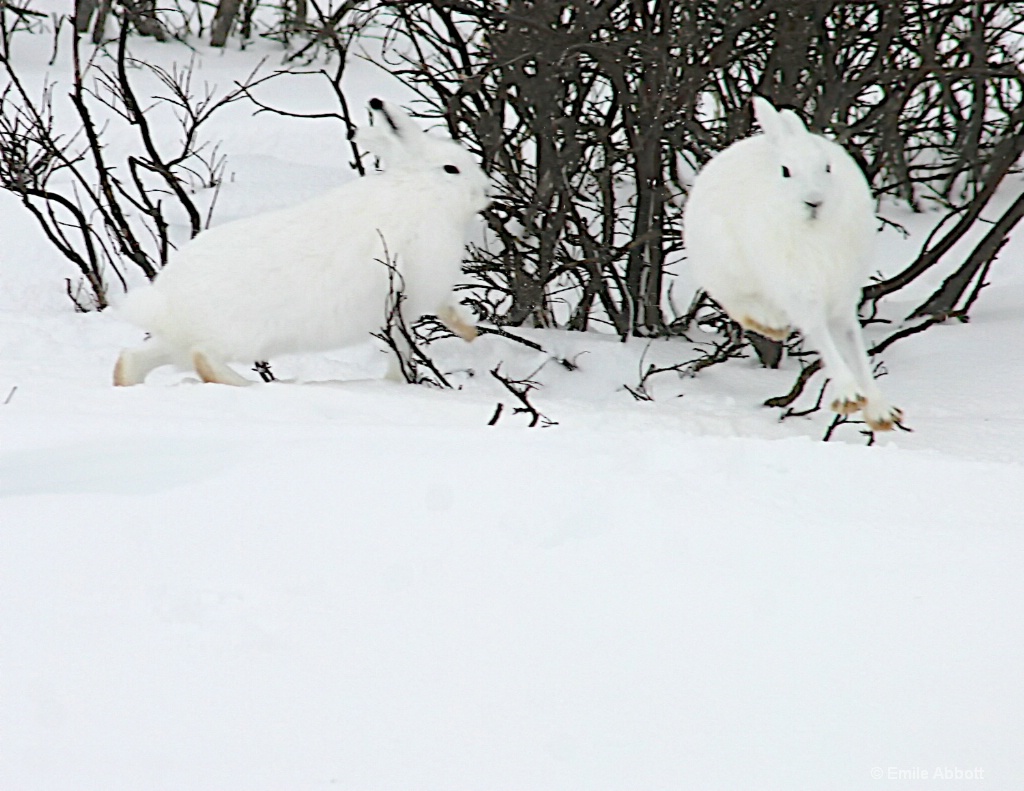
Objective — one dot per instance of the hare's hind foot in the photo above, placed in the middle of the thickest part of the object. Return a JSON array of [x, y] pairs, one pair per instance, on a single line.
[[879, 417], [122, 376], [773, 333], [213, 371], [452, 320], [884, 418], [848, 405], [133, 365]]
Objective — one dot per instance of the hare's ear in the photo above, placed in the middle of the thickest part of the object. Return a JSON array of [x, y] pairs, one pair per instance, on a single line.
[[792, 122], [393, 135], [777, 124], [378, 142], [769, 118], [395, 121]]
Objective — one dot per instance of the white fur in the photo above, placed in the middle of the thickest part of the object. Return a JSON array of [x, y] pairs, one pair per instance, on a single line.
[[311, 277], [781, 252]]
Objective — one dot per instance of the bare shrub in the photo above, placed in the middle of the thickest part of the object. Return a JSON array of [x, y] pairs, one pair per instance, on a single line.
[[102, 214]]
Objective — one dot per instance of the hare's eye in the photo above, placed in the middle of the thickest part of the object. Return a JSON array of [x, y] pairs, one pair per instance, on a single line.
[[451, 169], [828, 168], [785, 172]]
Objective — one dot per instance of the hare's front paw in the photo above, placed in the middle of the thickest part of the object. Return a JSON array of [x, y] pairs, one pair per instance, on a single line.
[[882, 417]]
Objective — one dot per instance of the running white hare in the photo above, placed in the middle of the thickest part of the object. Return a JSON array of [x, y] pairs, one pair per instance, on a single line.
[[778, 229], [312, 277]]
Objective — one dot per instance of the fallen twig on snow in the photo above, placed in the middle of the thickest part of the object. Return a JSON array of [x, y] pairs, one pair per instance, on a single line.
[[520, 388]]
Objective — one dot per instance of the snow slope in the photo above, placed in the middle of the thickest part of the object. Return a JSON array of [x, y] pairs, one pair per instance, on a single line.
[[338, 582]]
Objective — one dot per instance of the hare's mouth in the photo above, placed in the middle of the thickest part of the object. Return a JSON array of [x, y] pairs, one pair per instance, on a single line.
[[812, 208]]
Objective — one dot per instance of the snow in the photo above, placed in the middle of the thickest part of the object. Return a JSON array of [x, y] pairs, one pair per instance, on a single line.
[[335, 581]]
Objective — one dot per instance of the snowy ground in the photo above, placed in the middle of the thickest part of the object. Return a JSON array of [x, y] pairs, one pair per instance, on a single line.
[[339, 582]]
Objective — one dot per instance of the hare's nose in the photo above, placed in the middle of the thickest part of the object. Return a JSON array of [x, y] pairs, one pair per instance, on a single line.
[[812, 206]]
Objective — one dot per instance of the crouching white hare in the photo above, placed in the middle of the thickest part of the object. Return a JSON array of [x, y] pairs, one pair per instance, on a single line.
[[778, 229], [313, 277]]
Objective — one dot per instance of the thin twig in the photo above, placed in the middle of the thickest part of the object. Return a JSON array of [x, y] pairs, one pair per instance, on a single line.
[[511, 336], [394, 322], [520, 389]]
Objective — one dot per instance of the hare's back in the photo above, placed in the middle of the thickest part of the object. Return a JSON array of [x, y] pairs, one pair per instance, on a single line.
[[298, 278]]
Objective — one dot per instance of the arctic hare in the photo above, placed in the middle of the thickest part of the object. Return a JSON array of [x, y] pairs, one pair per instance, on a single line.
[[778, 230], [313, 277]]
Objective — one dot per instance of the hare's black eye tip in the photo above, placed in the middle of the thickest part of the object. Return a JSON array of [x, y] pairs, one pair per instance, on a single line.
[[785, 172], [451, 169], [828, 168]]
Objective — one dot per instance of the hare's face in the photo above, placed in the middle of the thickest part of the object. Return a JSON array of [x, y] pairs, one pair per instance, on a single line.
[[459, 170], [803, 175], [427, 158]]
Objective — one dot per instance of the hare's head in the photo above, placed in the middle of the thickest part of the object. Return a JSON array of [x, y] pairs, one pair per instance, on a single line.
[[800, 160], [405, 148]]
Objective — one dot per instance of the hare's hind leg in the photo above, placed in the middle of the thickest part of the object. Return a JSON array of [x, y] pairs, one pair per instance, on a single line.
[[754, 315], [214, 371], [450, 317], [750, 324], [879, 414], [848, 390], [133, 365]]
